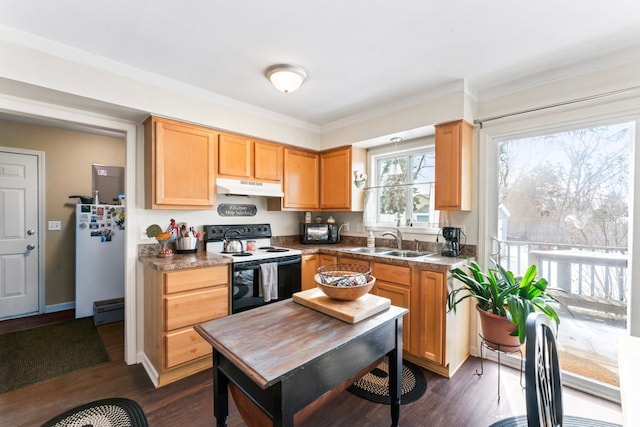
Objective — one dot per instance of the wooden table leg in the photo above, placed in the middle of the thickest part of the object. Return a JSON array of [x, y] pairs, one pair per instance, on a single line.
[[220, 393], [395, 375]]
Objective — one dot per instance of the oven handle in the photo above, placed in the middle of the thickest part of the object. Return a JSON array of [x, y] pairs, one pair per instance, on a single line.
[[289, 262], [251, 265]]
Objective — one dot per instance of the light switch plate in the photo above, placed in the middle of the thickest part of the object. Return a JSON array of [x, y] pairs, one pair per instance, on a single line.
[[55, 225]]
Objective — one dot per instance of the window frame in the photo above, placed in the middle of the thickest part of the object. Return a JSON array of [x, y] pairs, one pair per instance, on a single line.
[[409, 149], [560, 119]]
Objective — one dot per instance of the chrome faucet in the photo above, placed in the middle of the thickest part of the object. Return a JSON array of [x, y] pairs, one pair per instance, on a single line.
[[397, 236], [340, 231]]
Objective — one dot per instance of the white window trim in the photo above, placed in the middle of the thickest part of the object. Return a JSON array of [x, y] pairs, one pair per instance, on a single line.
[[388, 151], [564, 118]]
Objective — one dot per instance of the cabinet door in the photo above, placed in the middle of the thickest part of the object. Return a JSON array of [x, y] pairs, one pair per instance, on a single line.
[[189, 308], [267, 161], [180, 163], [309, 269], [335, 175], [400, 296], [234, 156], [327, 259], [453, 167], [196, 278], [347, 260], [392, 273], [183, 346], [432, 316], [301, 182]]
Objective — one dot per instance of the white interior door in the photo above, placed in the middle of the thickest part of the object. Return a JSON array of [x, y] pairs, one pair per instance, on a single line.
[[19, 248]]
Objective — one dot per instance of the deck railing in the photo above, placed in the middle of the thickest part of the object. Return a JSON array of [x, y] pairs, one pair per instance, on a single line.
[[593, 278]]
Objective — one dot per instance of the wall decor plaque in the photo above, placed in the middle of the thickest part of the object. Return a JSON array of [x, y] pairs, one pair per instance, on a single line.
[[237, 209]]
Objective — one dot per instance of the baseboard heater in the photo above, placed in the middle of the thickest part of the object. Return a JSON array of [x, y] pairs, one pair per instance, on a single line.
[[108, 311]]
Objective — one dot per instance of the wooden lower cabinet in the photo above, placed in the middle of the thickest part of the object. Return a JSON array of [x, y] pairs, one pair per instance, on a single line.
[[394, 282], [357, 261], [309, 267], [439, 340], [432, 297], [175, 301], [324, 259]]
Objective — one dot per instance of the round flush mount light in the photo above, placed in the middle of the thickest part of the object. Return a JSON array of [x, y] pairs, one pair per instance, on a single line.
[[286, 77]]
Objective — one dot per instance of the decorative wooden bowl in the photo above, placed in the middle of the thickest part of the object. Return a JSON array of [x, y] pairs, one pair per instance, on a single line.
[[345, 293]]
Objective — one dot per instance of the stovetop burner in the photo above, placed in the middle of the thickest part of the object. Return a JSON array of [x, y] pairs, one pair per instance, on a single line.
[[258, 234]]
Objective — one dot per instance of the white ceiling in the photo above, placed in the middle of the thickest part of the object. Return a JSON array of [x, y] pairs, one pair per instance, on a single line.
[[359, 54]]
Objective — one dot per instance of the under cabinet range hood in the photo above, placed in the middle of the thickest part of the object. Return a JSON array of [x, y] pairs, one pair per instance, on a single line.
[[248, 188]]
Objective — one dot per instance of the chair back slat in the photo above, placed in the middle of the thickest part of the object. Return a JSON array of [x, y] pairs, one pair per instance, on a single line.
[[544, 400]]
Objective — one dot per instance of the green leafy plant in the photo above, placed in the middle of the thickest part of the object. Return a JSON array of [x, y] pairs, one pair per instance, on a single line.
[[500, 292]]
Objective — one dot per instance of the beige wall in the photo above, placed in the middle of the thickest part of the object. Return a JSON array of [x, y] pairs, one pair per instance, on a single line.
[[68, 159]]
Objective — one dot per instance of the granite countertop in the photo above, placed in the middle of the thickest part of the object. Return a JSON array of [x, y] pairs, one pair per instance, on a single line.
[[182, 261], [434, 263], [204, 259]]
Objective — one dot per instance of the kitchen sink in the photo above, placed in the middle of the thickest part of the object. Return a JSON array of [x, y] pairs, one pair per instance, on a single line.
[[408, 254], [365, 250]]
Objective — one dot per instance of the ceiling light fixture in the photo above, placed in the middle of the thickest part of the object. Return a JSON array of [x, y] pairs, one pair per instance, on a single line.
[[396, 169], [286, 77]]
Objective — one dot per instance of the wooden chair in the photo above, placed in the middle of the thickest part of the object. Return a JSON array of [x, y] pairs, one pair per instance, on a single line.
[[544, 382]]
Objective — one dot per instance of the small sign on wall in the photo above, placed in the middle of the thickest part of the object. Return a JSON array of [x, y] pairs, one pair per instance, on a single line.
[[237, 209]]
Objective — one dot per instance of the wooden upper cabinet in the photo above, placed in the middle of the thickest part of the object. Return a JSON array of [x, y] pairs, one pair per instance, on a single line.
[[179, 165], [335, 179], [268, 161], [246, 158], [301, 179], [235, 156], [338, 191], [454, 145]]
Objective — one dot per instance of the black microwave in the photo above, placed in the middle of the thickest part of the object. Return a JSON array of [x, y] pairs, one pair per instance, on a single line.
[[319, 233]]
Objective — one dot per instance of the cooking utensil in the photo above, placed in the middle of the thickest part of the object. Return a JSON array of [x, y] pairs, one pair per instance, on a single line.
[[232, 246]]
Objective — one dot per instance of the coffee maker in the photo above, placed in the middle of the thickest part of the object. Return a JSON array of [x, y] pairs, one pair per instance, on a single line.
[[451, 245]]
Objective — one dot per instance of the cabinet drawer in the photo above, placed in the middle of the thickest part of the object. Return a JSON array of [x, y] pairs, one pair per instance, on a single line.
[[188, 309], [183, 346], [196, 278], [392, 273], [347, 260]]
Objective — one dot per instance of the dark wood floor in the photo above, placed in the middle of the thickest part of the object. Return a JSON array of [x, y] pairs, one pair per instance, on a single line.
[[466, 400]]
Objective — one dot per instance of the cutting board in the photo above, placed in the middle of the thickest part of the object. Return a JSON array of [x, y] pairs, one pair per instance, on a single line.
[[347, 311]]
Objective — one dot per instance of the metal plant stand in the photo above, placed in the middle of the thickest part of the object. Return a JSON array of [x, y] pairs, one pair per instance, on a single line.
[[500, 349]]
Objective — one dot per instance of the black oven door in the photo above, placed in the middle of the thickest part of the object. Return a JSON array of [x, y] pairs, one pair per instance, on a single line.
[[245, 278]]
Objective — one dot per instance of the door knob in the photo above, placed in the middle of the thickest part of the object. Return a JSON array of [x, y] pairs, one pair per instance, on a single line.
[[30, 247], [31, 232]]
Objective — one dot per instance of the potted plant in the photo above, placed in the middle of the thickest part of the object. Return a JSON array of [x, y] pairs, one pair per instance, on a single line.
[[503, 298]]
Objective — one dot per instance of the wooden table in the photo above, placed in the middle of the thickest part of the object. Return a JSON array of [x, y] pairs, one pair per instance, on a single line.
[[629, 373], [284, 356]]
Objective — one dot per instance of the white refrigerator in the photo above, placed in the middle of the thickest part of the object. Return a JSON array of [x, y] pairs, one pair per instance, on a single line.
[[99, 255]]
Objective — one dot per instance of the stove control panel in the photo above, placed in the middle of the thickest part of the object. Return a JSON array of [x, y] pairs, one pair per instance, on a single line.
[[239, 231]]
